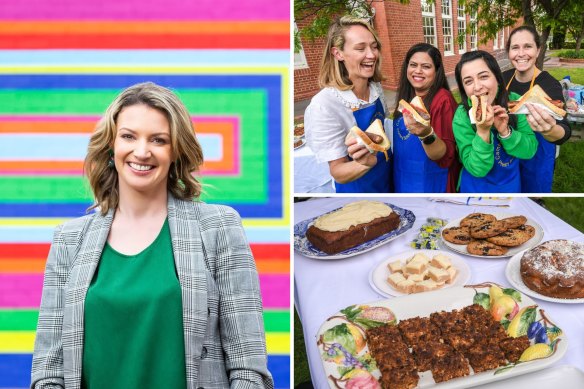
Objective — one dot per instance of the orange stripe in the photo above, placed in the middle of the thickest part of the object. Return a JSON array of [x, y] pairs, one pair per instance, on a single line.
[[140, 27], [226, 130], [273, 266], [22, 266], [56, 127], [41, 166]]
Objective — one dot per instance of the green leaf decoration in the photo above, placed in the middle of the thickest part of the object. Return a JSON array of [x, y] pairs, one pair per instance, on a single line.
[[482, 299], [344, 370], [505, 368], [505, 323], [342, 335], [351, 312], [368, 323], [553, 332], [513, 293], [526, 319]]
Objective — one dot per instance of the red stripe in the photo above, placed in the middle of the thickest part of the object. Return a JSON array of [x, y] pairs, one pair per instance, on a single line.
[[145, 41], [270, 251], [24, 250]]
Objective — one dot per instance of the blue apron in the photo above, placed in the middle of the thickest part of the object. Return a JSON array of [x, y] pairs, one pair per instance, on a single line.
[[502, 178], [537, 173], [378, 179], [413, 171]]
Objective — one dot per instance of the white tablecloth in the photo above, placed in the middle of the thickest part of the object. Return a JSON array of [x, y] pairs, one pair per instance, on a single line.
[[310, 176], [322, 288]]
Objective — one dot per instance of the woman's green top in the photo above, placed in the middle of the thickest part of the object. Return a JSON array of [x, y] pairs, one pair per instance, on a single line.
[[133, 328]]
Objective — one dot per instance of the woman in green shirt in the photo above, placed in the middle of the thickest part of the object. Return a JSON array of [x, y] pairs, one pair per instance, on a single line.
[[154, 290], [489, 151]]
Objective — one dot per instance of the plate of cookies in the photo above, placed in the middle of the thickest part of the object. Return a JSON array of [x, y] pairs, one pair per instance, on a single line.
[[497, 235], [418, 271], [458, 337], [551, 271]]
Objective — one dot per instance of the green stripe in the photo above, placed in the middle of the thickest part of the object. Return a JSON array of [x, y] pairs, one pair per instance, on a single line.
[[250, 186], [277, 321], [26, 320], [18, 320]]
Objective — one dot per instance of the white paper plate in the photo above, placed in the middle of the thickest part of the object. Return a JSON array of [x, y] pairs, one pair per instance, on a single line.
[[379, 273], [304, 247], [461, 248], [423, 304], [566, 377], [302, 143], [513, 274]]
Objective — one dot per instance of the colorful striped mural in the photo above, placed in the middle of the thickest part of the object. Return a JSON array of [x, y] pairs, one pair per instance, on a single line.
[[63, 61]]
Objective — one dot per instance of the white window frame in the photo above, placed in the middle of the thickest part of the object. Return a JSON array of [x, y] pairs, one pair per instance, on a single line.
[[299, 58], [461, 19], [447, 19], [474, 38], [429, 15]]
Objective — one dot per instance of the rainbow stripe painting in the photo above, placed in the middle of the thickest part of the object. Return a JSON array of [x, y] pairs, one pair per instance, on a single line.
[[62, 62]]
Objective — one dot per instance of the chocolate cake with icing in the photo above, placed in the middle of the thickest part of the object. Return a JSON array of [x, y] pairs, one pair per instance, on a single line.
[[555, 268], [352, 225]]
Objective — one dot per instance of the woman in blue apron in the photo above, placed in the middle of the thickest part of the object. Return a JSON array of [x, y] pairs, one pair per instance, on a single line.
[[350, 76], [425, 158], [489, 151], [523, 49]]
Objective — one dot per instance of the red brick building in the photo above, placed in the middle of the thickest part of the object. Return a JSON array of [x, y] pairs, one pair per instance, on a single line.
[[399, 27]]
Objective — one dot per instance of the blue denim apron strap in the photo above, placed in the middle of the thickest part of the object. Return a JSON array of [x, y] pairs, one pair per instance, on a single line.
[[502, 178], [413, 171], [378, 179], [537, 173]]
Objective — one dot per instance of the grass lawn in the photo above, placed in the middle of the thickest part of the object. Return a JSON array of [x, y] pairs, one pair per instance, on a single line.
[[569, 209], [576, 74], [569, 173]]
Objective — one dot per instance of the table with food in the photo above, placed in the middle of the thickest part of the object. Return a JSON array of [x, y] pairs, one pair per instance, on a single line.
[[422, 292], [310, 176]]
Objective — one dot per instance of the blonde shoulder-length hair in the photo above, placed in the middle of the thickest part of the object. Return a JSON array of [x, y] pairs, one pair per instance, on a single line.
[[334, 72], [186, 149]]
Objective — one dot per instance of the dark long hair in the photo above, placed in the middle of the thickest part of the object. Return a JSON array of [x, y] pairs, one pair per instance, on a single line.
[[406, 90], [502, 97]]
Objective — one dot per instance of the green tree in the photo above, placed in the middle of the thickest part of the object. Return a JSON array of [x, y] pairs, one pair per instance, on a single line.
[[572, 17]]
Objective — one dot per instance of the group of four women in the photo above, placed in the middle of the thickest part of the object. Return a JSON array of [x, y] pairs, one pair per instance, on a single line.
[[505, 153]]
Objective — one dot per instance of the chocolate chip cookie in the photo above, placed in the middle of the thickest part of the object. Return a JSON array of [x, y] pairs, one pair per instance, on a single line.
[[514, 221], [513, 237], [475, 219], [457, 235], [488, 229], [482, 247]]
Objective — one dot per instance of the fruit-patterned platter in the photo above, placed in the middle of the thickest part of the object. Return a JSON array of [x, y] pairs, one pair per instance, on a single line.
[[348, 362], [554, 377]]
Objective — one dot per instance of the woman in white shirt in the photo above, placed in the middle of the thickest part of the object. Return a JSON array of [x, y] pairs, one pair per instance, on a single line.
[[350, 76]]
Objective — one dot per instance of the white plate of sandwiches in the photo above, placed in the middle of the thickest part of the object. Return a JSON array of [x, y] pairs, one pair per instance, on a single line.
[[449, 338], [491, 235], [418, 271], [550, 266]]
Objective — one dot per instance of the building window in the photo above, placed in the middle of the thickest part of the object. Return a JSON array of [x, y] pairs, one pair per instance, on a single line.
[[461, 18], [429, 23], [447, 27], [299, 57], [473, 31], [499, 42]]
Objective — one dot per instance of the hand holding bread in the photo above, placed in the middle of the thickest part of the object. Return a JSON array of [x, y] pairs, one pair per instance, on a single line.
[[540, 119], [372, 140]]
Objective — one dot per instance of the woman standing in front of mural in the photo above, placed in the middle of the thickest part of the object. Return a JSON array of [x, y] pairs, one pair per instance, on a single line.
[[489, 149], [154, 290], [350, 76], [425, 159], [523, 48]]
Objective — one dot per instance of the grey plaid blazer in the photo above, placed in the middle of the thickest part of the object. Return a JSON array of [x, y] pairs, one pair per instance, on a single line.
[[222, 310]]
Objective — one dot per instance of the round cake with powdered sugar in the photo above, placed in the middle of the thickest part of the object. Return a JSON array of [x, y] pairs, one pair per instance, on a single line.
[[555, 268]]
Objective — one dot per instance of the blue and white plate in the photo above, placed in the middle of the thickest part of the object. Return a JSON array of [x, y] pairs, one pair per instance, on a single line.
[[304, 247]]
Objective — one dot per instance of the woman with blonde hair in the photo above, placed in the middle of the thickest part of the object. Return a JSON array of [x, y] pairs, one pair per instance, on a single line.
[[350, 76], [154, 290]]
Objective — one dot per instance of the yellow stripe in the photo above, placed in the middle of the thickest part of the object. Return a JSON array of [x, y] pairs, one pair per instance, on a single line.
[[29, 222], [217, 69], [16, 341], [23, 342], [278, 342]]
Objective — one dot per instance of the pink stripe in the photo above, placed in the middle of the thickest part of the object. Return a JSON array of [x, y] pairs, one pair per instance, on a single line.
[[257, 10], [24, 290], [41, 174], [20, 290], [275, 290], [30, 118]]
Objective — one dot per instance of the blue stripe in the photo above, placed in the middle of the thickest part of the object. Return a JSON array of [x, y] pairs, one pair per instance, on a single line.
[[145, 57], [73, 147], [44, 234], [15, 370]]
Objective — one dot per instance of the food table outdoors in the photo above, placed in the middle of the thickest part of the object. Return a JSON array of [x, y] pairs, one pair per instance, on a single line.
[[310, 176], [323, 287]]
